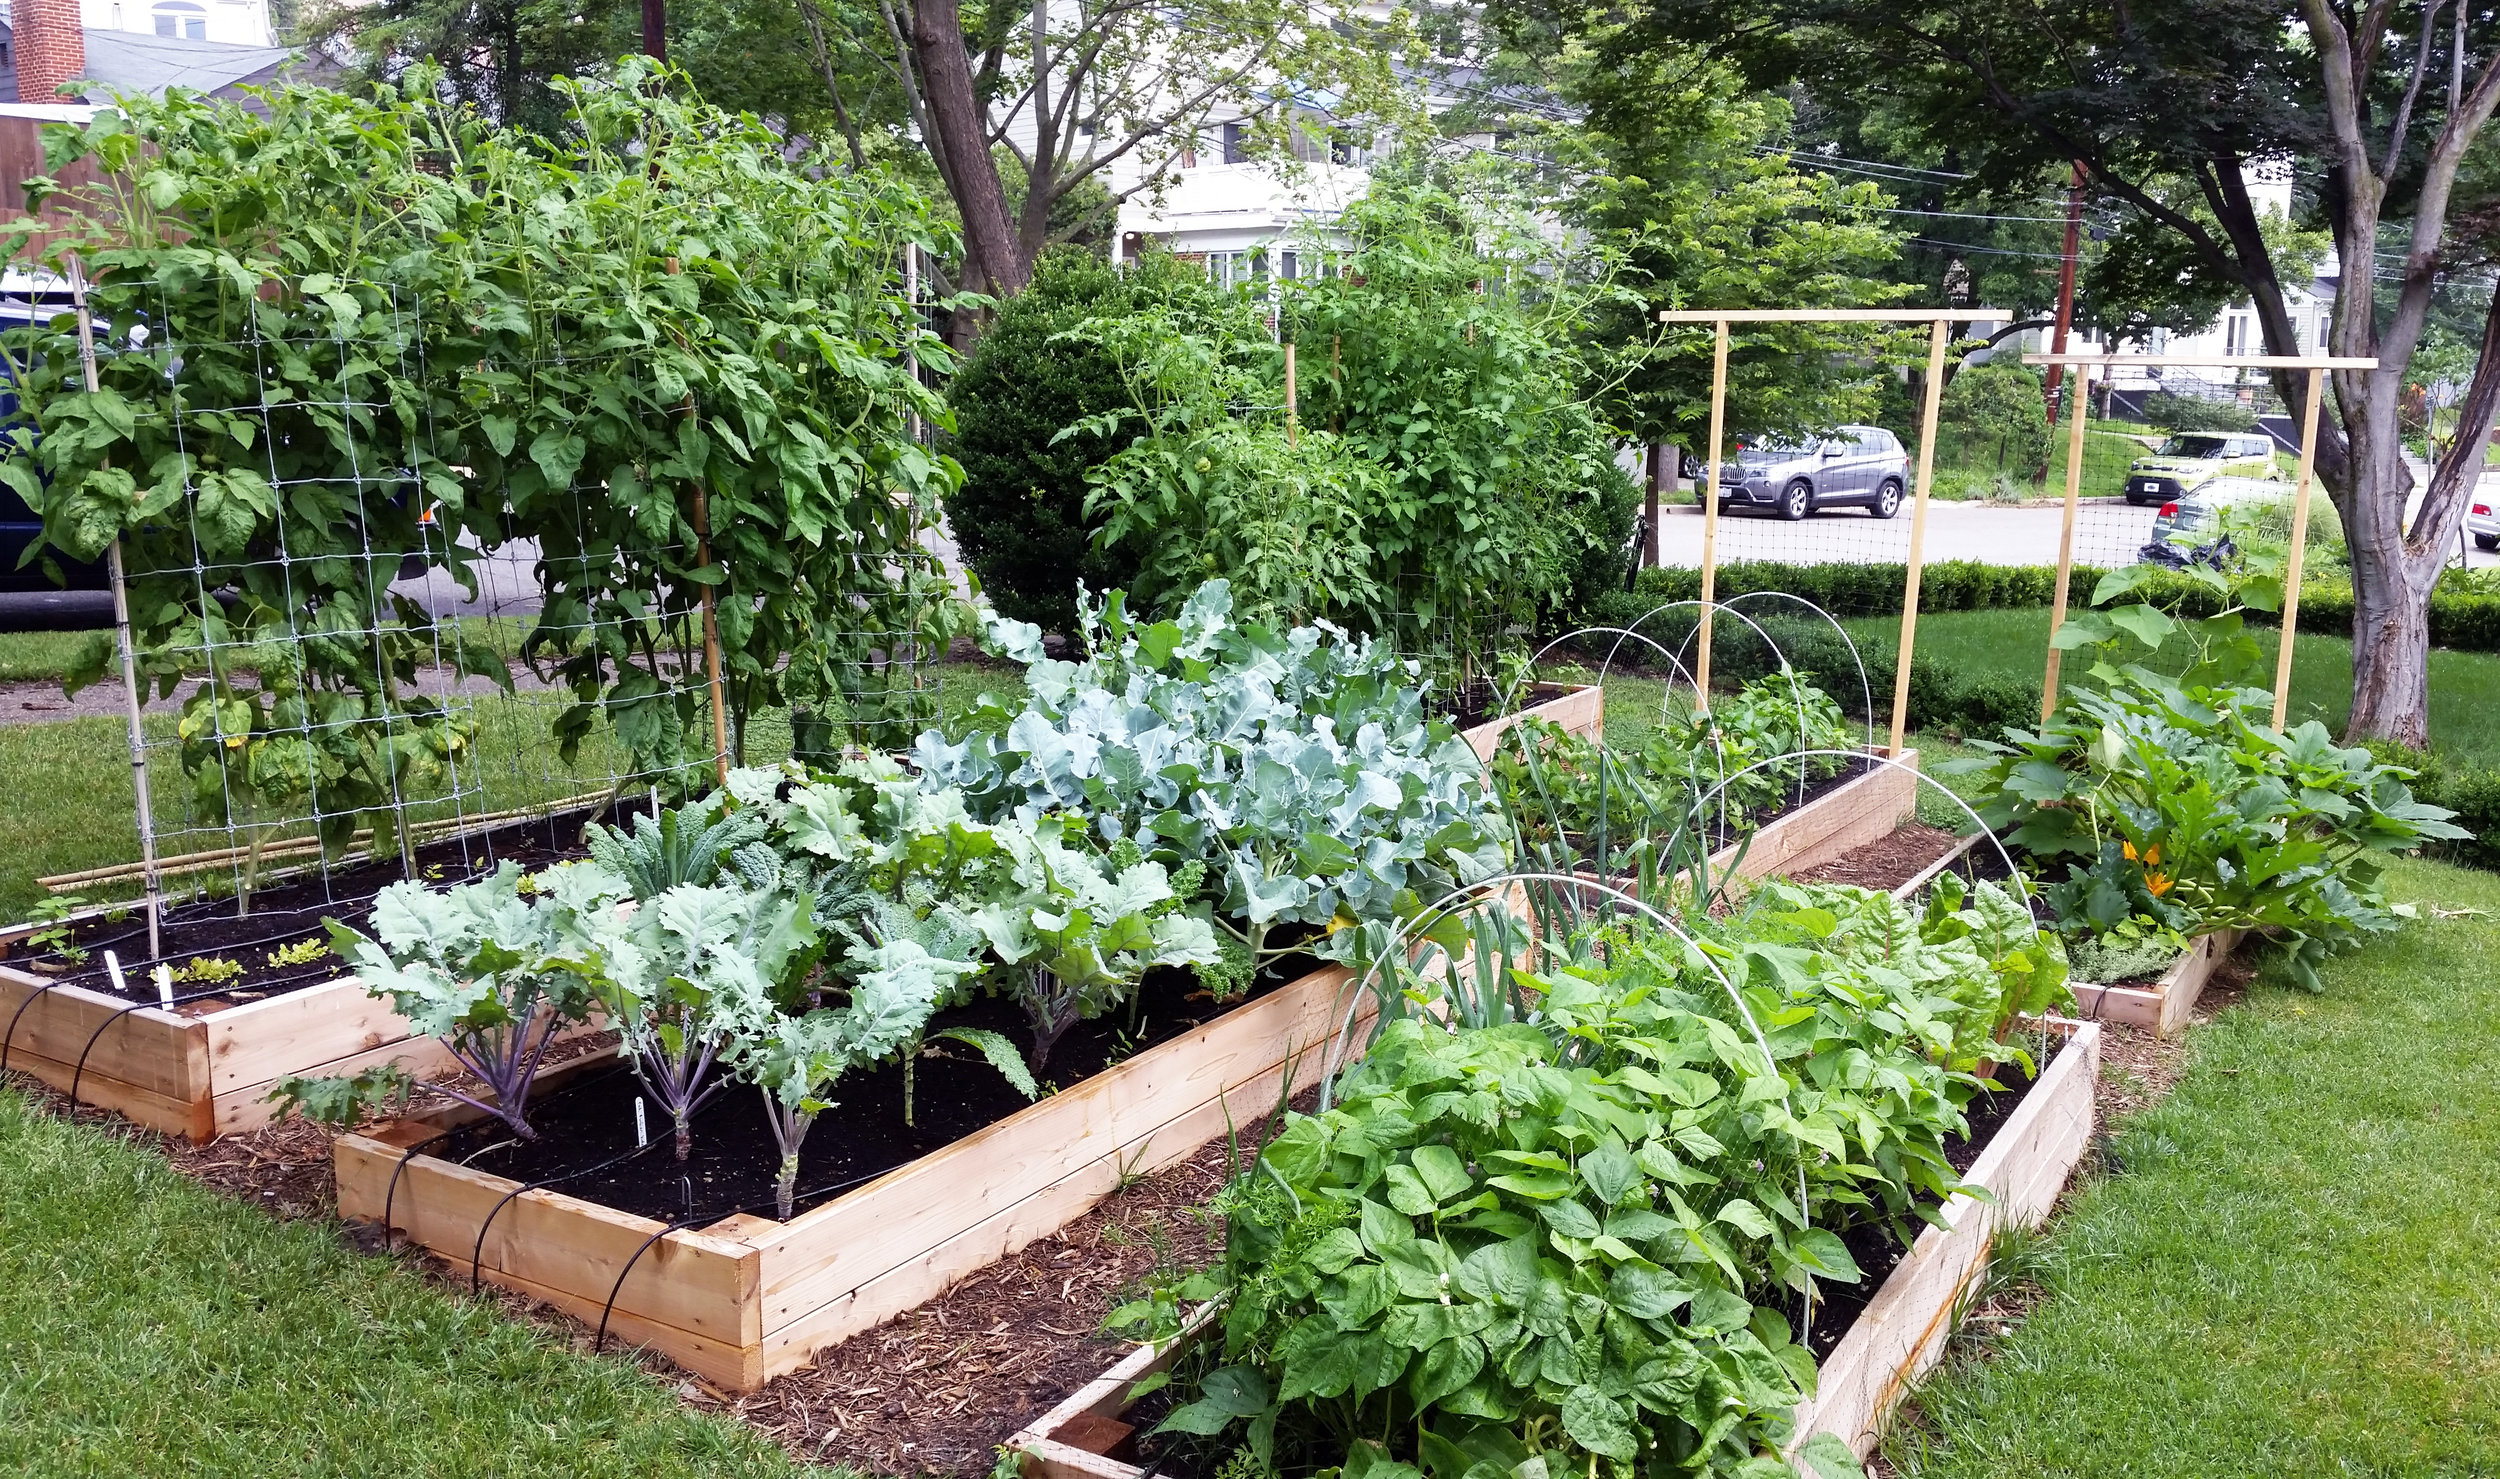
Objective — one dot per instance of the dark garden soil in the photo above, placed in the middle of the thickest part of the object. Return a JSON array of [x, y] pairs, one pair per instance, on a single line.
[[1480, 702], [587, 1145], [1888, 862], [288, 912]]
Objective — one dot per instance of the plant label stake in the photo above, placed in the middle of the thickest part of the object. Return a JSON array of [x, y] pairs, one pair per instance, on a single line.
[[642, 1128], [164, 985], [113, 965]]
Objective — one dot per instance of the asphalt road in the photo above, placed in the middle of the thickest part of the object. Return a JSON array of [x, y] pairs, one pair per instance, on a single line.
[[2107, 533]]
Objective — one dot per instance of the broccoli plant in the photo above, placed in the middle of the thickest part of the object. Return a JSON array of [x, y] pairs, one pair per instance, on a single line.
[[1079, 929], [485, 967]]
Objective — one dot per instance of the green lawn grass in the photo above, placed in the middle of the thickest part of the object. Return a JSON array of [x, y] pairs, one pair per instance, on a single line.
[[69, 804], [2292, 1274], [150, 1326]]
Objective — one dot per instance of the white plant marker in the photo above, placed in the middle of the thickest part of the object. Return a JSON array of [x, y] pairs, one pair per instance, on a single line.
[[642, 1129], [113, 965], [164, 985]]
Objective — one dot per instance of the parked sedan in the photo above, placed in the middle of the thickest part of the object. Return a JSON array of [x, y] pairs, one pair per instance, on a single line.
[[1863, 466], [2184, 523], [2482, 523]]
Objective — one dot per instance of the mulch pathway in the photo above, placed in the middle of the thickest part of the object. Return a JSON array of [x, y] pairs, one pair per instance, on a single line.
[[1888, 862]]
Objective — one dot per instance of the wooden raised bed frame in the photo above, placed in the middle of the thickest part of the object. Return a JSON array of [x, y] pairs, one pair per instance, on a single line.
[[1898, 1336], [1832, 825], [203, 1068], [2165, 1004]]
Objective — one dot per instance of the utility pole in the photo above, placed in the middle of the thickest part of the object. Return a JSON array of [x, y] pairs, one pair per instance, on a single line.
[[2065, 283], [655, 29]]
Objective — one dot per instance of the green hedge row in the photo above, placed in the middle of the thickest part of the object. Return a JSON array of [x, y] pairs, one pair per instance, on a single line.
[[2463, 619]]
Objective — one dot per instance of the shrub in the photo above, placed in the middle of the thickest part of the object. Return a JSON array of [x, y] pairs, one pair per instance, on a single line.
[[1019, 517], [1999, 417], [2197, 413]]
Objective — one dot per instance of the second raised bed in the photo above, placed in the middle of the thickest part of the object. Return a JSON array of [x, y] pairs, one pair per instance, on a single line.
[[1898, 1336]]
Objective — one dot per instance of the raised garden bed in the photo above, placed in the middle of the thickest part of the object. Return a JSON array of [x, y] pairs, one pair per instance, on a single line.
[[745, 1298], [2165, 1002], [1578, 708], [1839, 820], [205, 1066], [1898, 1334]]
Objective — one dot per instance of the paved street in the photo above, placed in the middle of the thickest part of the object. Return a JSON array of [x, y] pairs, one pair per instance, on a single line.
[[2107, 533]]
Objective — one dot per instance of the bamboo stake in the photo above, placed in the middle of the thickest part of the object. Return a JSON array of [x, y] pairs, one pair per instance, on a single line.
[[2082, 393], [711, 620], [1918, 533], [2300, 543], [1290, 429], [192, 862], [129, 657], [1710, 516]]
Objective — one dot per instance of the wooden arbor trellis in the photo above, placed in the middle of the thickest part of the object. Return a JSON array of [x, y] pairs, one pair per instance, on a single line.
[[2082, 364], [1939, 321]]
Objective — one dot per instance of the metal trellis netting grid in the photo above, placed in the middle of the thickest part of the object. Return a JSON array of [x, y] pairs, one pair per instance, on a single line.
[[353, 693]]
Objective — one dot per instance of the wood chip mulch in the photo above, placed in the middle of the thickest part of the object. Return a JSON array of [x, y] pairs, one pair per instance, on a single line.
[[936, 1390], [1888, 862]]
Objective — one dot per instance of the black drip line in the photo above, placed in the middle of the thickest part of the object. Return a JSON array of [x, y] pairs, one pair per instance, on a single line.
[[78, 1072], [390, 1196]]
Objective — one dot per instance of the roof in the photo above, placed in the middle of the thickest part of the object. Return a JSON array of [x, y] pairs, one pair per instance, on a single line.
[[128, 62]]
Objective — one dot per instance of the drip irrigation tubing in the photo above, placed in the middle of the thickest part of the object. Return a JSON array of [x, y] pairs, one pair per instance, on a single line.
[[599, 1342], [390, 1195], [80, 1071]]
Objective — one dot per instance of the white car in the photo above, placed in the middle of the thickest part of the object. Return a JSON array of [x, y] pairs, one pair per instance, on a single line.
[[2482, 523], [2185, 522]]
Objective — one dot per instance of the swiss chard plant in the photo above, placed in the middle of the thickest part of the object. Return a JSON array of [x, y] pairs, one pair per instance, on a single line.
[[485, 967]]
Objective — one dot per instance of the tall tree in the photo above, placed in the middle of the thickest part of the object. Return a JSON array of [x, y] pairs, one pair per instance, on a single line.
[[2167, 108], [1090, 103]]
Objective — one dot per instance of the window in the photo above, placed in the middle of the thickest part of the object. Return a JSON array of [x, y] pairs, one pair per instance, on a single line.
[[1236, 142], [181, 18]]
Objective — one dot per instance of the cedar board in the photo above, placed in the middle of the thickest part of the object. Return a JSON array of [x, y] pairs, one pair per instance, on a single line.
[[205, 1068], [2163, 1006], [748, 1298], [1831, 826]]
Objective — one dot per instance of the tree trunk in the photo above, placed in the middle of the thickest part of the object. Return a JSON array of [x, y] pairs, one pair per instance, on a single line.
[[2391, 656], [959, 132]]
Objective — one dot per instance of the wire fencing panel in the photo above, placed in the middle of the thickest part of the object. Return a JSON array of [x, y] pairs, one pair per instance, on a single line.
[[341, 665]]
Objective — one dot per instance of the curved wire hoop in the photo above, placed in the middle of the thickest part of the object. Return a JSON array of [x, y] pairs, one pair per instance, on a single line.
[[1866, 690], [2015, 874]]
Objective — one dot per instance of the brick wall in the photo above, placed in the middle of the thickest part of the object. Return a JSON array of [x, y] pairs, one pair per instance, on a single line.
[[51, 49]]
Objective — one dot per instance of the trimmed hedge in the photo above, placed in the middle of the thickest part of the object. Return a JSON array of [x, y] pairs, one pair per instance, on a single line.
[[1938, 699], [2462, 619]]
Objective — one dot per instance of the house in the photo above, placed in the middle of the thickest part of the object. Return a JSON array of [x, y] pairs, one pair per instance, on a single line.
[[216, 47]]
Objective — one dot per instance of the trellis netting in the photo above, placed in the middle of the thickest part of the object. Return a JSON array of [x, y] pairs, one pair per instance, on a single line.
[[428, 446]]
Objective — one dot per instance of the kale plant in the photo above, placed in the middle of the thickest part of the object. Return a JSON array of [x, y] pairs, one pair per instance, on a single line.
[[485, 967]]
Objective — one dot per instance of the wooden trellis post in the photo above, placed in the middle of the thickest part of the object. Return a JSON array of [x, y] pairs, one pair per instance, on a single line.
[[2082, 397]]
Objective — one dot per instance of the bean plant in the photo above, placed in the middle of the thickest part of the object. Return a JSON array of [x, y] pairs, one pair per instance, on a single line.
[[1587, 1234]]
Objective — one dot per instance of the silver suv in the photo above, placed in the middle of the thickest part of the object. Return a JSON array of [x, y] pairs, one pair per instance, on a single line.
[[1861, 465]]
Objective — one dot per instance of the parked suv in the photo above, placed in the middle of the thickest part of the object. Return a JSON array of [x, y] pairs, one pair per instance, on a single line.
[[2191, 459], [1860, 465]]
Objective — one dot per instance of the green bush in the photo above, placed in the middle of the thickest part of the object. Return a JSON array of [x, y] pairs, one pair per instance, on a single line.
[[2471, 791], [1019, 517], [1996, 415], [2464, 615], [2195, 413]]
